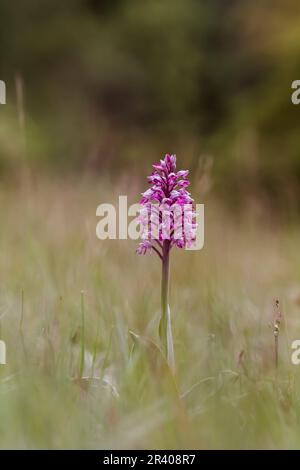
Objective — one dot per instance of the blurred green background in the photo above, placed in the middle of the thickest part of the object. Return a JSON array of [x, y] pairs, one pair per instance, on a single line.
[[110, 85]]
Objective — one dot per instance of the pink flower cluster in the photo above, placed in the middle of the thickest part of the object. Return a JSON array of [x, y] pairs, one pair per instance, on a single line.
[[167, 211]]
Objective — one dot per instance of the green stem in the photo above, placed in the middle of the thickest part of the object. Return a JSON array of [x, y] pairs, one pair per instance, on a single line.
[[165, 330], [164, 297], [82, 339]]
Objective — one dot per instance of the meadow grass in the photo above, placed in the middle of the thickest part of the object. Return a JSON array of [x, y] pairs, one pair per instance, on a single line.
[[110, 387]]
